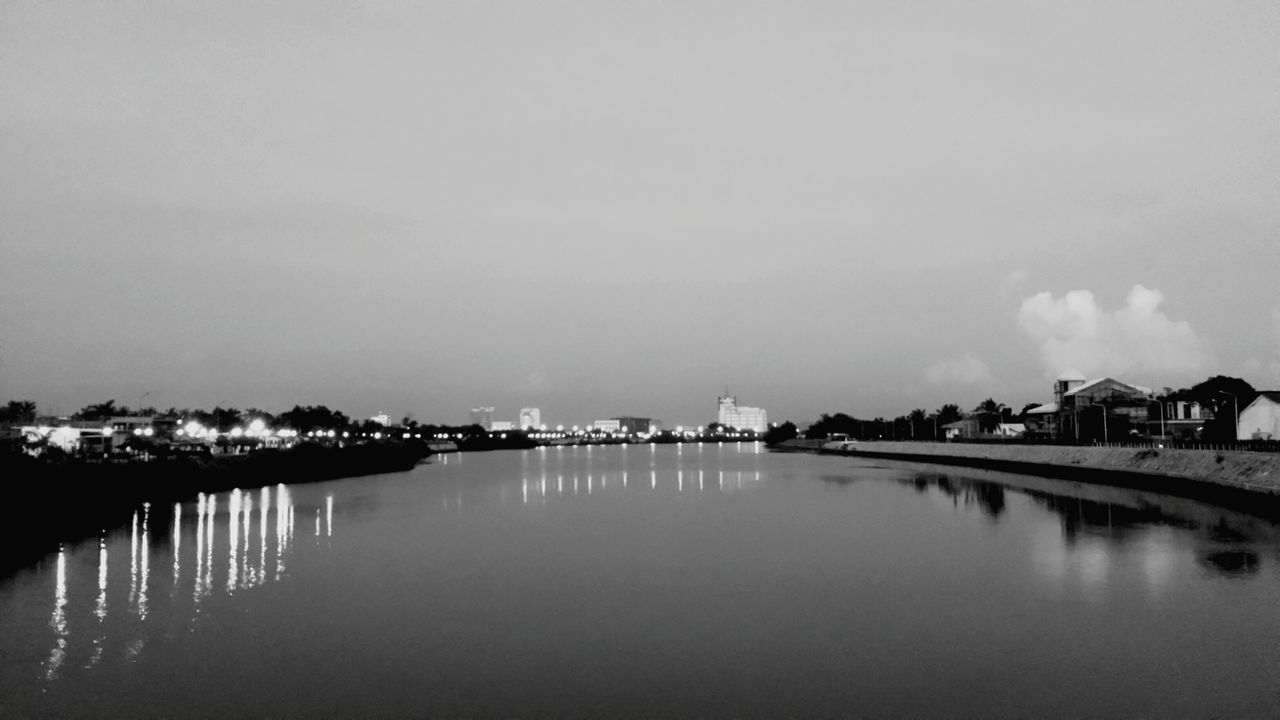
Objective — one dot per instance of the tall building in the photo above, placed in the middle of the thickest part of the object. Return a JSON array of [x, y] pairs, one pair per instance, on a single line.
[[482, 416], [530, 418], [741, 417]]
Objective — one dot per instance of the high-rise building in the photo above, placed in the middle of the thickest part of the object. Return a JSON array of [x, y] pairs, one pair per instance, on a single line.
[[482, 416], [741, 417], [530, 419]]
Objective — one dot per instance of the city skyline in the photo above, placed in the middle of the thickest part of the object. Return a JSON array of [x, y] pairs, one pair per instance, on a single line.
[[581, 207]]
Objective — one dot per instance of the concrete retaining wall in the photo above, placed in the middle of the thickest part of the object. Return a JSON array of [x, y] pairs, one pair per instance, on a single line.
[[1252, 472]]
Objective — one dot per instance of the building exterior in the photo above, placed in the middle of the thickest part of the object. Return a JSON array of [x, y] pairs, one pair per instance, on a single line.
[[382, 419], [530, 419], [636, 425], [1101, 409], [607, 425], [1182, 419], [741, 417], [501, 426], [482, 416], [1260, 420]]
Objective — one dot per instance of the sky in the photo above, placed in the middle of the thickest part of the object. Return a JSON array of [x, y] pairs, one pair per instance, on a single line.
[[617, 208]]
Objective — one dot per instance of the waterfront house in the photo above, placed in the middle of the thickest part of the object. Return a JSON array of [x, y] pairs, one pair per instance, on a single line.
[[1260, 419], [1098, 409]]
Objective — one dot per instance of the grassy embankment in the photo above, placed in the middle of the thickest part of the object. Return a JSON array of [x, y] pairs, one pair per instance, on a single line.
[[1243, 479]]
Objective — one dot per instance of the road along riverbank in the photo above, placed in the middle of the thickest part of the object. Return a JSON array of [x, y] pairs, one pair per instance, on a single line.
[[1246, 480]]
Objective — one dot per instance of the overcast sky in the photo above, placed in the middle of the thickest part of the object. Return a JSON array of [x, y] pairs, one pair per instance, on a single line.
[[606, 208]]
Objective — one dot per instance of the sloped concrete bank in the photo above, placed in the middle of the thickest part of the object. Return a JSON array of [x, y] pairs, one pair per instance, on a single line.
[[1241, 479]]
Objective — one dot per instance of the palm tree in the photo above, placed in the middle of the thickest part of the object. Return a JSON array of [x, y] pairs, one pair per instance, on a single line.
[[98, 411]]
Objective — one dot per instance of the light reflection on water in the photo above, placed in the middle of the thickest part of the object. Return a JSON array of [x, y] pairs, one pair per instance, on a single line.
[[100, 630], [822, 579]]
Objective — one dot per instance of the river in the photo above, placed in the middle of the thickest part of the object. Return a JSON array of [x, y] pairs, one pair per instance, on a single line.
[[691, 580]]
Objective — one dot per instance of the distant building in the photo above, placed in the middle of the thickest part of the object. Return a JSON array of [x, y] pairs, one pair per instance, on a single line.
[[637, 425], [741, 417], [1260, 420], [382, 419], [1098, 409], [501, 426], [607, 425], [530, 418], [482, 416]]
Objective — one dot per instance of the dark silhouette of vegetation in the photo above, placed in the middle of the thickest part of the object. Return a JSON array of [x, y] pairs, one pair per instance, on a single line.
[[779, 434], [18, 411]]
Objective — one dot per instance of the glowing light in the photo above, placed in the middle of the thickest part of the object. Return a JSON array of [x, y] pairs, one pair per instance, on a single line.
[[177, 541], [58, 621], [328, 516], [257, 426], [200, 513], [145, 561], [237, 431], [233, 538]]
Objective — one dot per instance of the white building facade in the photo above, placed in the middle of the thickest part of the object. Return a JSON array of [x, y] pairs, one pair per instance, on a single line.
[[740, 416], [1260, 420], [530, 419]]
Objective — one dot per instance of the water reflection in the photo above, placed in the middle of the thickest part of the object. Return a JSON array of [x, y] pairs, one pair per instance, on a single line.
[[245, 569], [1091, 528], [58, 621]]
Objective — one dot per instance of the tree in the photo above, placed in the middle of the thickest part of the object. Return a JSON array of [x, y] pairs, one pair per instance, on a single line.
[[18, 411], [919, 420], [1226, 396], [98, 411], [829, 425], [948, 413], [779, 434]]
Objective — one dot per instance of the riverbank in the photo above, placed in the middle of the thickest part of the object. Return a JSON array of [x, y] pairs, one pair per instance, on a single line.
[[1241, 479], [70, 501]]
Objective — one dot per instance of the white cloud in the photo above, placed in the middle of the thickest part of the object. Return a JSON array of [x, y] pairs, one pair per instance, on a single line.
[[1074, 332], [967, 368]]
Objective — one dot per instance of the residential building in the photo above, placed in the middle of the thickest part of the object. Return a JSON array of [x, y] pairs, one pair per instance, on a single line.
[[1100, 409], [1260, 419], [741, 417]]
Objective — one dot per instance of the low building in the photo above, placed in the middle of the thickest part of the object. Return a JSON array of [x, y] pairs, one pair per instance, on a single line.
[[636, 425], [613, 425], [501, 426], [1260, 419]]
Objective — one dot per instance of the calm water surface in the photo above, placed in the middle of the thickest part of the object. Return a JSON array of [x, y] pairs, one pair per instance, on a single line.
[[671, 580]]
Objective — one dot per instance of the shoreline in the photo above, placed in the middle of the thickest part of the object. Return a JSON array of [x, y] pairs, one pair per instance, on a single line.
[[1241, 480], [71, 502]]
